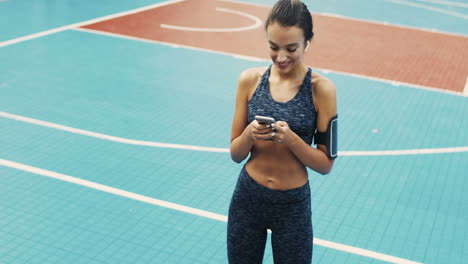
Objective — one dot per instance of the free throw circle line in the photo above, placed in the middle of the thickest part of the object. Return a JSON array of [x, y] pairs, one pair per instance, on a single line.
[[257, 24]]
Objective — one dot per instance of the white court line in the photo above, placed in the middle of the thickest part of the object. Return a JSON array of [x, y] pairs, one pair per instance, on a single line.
[[258, 59], [465, 90], [404, 152], [450, 3], [213, 149], [434, 9], [107, 137], [189, 210], [257, 23], [394, 83], [112, 190], [80, 24]]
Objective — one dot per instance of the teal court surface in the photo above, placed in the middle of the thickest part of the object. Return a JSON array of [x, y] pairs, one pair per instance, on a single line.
[[116, 149]]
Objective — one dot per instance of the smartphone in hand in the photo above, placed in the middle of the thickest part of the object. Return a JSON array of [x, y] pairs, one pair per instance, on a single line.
[[265, 120]]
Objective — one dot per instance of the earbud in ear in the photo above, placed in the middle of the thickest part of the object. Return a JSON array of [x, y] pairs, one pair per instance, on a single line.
[[308, 44]]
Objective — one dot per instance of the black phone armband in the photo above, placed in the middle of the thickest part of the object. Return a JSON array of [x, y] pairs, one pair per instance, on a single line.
[[329, 138]]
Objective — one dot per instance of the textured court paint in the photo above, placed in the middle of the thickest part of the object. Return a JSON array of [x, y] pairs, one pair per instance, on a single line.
[[430, 59]]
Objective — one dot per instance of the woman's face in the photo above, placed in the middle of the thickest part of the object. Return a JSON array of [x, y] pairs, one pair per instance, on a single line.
[[287, 46]]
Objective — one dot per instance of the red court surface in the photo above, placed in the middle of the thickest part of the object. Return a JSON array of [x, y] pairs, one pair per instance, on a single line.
[[405, 55]]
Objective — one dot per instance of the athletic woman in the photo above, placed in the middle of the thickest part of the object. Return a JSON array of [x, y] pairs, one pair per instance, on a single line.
[[273, 190]]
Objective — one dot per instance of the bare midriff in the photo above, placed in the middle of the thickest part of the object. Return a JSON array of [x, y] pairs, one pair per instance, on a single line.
[[274, 166]]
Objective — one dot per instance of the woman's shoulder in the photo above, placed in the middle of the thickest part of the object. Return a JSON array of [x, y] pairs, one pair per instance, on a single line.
[[252, 75], [249, 80], [323, 92], [322, 86]]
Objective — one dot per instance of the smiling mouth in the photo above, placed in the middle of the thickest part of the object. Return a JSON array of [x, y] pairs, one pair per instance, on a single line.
[[283, 64]]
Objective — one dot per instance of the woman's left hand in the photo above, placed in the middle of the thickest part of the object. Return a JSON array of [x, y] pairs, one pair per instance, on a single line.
[[282, 133]]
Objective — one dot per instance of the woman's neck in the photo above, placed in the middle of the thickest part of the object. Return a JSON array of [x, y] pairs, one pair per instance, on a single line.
[[295, 73]]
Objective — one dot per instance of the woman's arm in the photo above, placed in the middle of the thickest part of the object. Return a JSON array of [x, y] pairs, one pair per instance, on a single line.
[[314, 158], [241, 143], [244, 135]]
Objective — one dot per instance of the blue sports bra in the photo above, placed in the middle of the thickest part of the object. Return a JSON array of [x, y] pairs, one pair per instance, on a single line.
[[299, 112]]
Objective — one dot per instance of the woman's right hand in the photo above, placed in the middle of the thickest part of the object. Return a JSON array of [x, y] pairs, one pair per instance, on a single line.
[[260, 132]]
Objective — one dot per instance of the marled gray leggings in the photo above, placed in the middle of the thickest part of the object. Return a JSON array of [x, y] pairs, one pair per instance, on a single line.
[[254, 209]]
